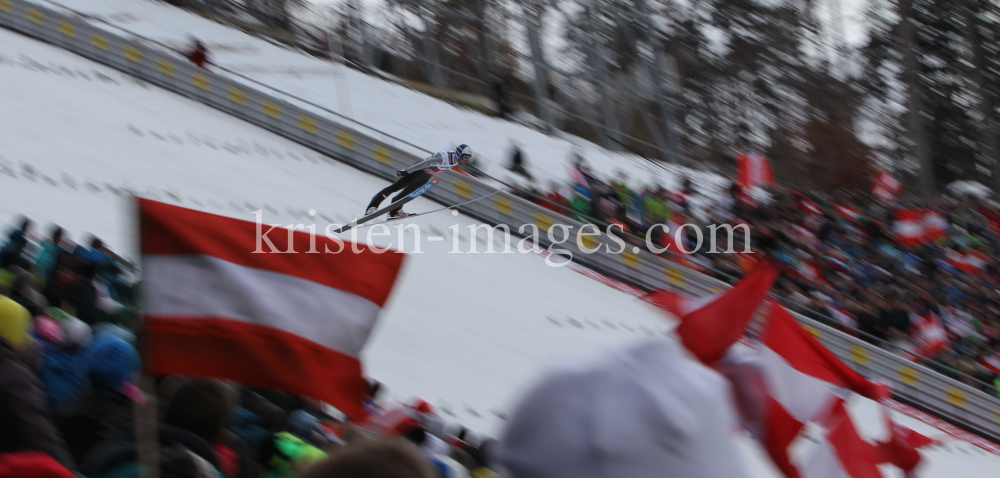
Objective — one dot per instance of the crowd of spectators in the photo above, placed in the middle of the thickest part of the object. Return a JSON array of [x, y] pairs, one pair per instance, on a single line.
[[68, 395], [843, 263]]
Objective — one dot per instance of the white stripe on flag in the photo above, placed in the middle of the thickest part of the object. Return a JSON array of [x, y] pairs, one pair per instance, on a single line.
[[824, 463], [803, 396], [691, 304], [909, 229], [205, 286]]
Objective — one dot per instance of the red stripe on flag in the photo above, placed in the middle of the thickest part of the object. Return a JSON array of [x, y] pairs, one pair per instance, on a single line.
[[785, 337], [779, 432], [711, 330], [856, 455], [172, 230], [254, 355]]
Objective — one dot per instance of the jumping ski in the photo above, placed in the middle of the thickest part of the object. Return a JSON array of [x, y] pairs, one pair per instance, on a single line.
[[432, 211], [398, 204]]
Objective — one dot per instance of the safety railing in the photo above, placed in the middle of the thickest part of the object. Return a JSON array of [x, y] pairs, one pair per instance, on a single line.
[[933, 392]]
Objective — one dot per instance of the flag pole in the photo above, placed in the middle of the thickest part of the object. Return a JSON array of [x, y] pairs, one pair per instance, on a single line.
[[146, 430], [146, 416]]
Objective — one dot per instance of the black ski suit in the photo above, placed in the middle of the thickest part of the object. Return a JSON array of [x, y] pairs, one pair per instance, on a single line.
[[406, 185], [413, 177]]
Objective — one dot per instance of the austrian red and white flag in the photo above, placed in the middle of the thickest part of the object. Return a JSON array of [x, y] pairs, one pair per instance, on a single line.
[[848, 213], [930, 337], [935, 226], [222, 302], [902, 447], [842, 453], [810, 207], [991, 363], [753, 170], [885, 186], [915, 227], [791, 381], [804, 381], [713, 323], [971, 262], [908, 227]]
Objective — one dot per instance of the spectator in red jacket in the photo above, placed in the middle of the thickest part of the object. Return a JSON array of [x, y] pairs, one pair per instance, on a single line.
[[199, 55]]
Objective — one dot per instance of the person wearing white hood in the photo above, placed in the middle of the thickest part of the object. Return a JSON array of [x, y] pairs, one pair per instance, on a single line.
[[648, 409]]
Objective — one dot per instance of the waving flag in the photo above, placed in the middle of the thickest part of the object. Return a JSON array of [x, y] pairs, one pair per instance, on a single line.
[[970, 263], [885, 186], [908, 227], [842, 453], [930, 337], [711, 324], [809, 206], [901, 449], [848, 213], [935, 226], [916, 227], [219, 303], [791, 381], [805, 382], [753, 170], [991, 363]]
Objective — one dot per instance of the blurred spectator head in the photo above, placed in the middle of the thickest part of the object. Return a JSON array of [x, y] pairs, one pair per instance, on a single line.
[[373, 459], [15, 323], [422, 406], [412, 431], [57, 234], [307, 427], [77, 333], [115, 330], [49, 330], [374, 388], [200, 407], [111, 362], [645, 409], [24, 225]]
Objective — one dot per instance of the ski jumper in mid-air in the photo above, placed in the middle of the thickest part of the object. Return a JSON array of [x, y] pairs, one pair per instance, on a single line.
[[413, 177]]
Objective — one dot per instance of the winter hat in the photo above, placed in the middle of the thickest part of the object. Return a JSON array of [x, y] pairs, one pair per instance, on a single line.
[[637, 411], [290, 453], [57, 313], [422, 406], [15, 322], [110, 361], [49, 330], [116, 330], [77, 333], [31, 464]]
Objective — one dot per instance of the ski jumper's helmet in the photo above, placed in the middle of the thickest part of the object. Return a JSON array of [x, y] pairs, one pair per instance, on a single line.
[[464, 152]]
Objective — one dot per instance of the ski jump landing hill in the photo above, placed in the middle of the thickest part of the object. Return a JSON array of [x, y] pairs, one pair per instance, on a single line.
[[307, 125]]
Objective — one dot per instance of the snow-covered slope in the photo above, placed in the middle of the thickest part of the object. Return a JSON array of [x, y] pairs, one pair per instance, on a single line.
[[463, 330], [407, 114], [466, 332]]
